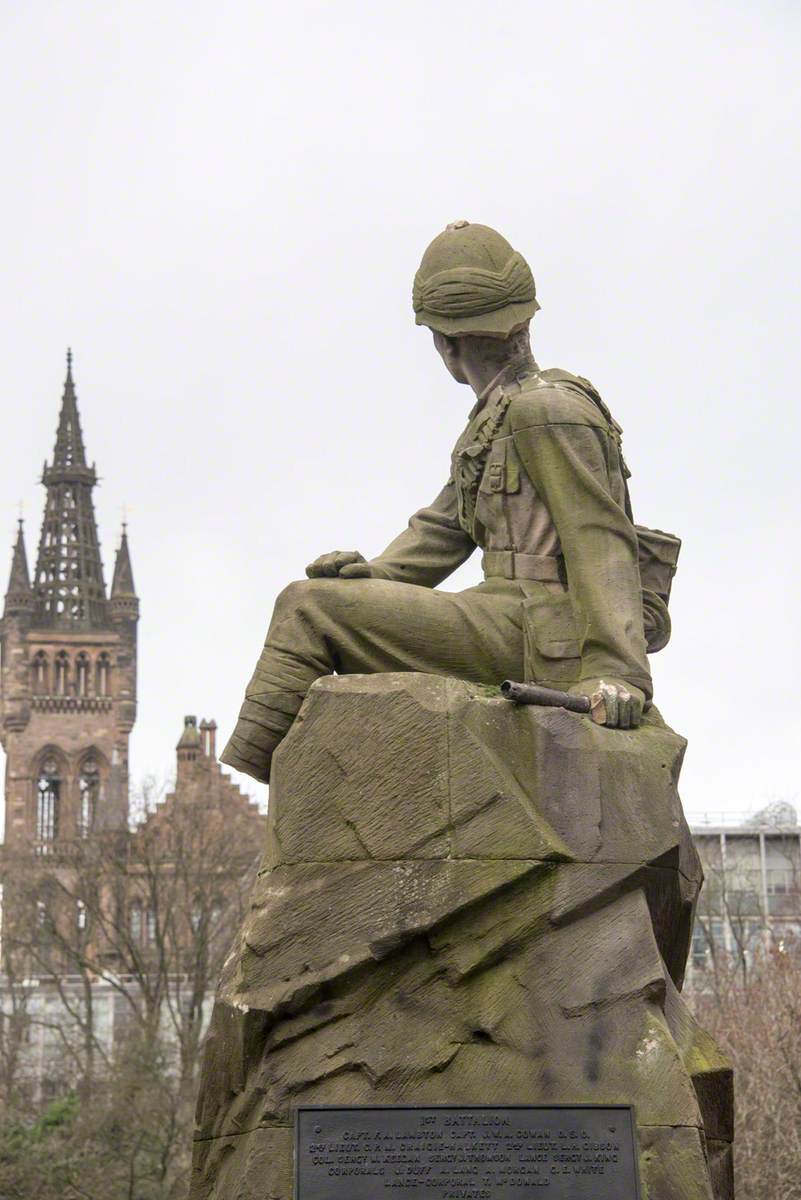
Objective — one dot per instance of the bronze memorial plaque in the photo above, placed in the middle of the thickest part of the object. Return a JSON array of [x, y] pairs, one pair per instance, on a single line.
[[466, 1152]]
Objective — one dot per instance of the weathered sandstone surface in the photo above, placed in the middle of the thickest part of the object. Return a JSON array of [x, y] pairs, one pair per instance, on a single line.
[[463, 902]]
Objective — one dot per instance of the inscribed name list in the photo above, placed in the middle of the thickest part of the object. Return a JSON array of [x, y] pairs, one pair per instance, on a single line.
[[575, 1152]]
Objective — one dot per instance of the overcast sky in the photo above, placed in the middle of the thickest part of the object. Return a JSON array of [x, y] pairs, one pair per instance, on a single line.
[[221, 209]]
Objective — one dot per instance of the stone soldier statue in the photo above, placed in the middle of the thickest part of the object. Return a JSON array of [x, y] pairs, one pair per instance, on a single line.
[[573, 594]]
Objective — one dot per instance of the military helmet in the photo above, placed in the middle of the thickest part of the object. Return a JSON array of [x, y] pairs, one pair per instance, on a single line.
[[471, 281]]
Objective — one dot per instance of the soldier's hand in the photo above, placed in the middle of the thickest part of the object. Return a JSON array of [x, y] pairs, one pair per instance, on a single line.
[[348, 564], [615, 703]]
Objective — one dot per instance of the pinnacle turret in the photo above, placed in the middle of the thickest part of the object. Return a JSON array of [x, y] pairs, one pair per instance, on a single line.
[[68, 584], [19, 597], [124, 603], [190, 737]]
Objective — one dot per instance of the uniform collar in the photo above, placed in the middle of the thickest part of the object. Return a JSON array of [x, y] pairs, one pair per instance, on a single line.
[[508, 374]]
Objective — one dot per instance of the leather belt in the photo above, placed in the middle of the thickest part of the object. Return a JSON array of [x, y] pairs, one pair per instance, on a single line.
[[508, 564]]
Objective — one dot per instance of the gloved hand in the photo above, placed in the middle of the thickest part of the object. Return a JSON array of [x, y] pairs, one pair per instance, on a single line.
[[615, 703], [346, 564]]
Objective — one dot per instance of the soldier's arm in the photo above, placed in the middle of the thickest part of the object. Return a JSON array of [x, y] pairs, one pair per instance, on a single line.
[[567, 465], [430, 549], [425, 553]]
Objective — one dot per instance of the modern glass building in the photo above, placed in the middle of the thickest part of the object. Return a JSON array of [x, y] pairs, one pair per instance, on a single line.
[[751, 898]]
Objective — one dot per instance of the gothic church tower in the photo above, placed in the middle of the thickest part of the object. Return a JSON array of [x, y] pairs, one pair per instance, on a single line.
[[67, 664]]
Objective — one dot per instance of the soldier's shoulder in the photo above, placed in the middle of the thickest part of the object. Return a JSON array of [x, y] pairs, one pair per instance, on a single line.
[[555, 397]]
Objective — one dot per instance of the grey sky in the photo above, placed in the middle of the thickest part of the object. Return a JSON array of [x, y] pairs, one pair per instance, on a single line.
[[221, 208]]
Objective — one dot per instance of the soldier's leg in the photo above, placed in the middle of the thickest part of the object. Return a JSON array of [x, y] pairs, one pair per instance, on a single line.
[[348, 626]]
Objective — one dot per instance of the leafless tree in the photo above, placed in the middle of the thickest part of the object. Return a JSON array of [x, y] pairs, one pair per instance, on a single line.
[[757, 1022], [746, 989], [141, 918]]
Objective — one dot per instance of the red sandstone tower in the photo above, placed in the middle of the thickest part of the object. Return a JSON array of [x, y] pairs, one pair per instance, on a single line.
[[67, 664]]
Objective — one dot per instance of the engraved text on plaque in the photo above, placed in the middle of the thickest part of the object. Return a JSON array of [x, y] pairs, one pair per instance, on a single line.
[[515, 1152]]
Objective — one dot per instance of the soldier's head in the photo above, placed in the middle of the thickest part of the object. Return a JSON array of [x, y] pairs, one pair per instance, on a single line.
[[477, 295]]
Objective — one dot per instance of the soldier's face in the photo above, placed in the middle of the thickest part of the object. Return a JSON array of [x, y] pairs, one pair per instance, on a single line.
[[448, 350]]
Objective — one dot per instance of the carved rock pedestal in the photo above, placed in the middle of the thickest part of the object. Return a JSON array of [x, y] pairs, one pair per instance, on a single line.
[[464, 902]]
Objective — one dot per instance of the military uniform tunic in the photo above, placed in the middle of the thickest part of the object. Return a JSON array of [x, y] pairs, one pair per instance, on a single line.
[[538, 483]]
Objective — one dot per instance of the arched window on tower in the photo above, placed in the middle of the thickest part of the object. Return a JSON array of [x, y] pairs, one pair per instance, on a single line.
[[62, 673], [82, 674], [102, 675], [41, 674], [88, 795], [48, 791]]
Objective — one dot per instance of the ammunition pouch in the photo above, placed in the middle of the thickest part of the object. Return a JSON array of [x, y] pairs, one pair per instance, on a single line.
[[658, 554]]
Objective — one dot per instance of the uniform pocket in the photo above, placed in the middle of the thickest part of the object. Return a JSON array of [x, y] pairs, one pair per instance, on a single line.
[[502, 470], [552, 644]]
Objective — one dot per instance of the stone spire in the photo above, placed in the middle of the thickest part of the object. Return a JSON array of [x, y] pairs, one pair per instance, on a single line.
[[69, 586], [19, 597], [124, 603], [69, 450]]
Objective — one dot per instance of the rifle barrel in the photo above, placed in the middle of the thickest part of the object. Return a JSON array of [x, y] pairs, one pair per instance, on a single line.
[[532, 693]]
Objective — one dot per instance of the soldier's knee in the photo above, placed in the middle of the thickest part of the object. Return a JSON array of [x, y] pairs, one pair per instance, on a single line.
[[303, 595], [290, 596]]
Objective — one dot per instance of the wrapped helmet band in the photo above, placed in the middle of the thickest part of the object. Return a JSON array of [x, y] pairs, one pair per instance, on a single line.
[[473, 291]]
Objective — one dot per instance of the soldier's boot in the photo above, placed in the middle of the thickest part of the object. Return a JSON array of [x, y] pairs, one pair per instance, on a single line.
[[264, 720], [294, 655]]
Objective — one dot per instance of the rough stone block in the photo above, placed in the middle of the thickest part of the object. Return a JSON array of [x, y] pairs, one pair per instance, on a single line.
[[464, 903]]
